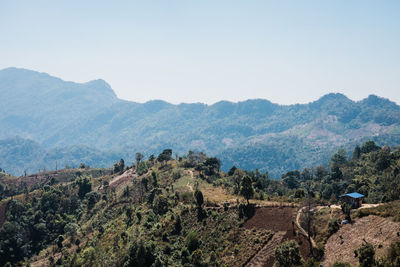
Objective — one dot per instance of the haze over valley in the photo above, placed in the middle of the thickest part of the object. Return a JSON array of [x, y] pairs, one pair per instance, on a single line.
[[47, 121]]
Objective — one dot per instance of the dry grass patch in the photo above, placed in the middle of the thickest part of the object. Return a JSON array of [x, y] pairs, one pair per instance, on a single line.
[[378, 231]]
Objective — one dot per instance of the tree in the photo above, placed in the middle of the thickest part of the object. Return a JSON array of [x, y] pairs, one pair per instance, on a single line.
[[346, 209], [291, 179], [320, 173], [211, 166], [116, 168], [288, 254], [142, 168], [199, 197], [92, 198], [85, 186], [165, 155], [232, 170], [236, 179], [195, 158], [333, 226], [336, 173], [369, 146], [199, 202], [154, 176], [177, 225], [151, 158], [60, 241], [246, 189], [339, 158], [160, 204], [140, 254], [366, 255], [357, 152], [121, 165], [192, 241], [139, 157]]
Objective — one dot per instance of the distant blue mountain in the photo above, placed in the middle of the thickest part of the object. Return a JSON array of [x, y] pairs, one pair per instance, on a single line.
[[87, 122]]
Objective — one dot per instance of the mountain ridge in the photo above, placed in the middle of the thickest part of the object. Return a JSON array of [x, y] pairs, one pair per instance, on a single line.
[[60, 114], [98, 81]]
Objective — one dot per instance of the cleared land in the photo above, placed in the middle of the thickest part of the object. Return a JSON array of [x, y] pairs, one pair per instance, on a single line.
[[279, 220], [378, 231]]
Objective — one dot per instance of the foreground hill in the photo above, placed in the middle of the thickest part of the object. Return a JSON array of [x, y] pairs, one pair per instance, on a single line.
[[186, 212], [249, 134]]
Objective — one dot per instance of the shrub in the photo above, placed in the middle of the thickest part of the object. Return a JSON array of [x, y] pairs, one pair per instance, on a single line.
[[341, 264], [366, 255], [192, 242], [140, 254], [333, 226], [288, 254]]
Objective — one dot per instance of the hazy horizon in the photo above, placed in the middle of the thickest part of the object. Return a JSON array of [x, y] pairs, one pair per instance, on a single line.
[[212, 103], [185, 52]]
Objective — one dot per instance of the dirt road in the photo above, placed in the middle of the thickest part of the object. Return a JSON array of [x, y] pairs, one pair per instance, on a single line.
[[304, 232]]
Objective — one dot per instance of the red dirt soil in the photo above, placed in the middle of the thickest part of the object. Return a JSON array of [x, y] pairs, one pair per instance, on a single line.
[[278, 219]]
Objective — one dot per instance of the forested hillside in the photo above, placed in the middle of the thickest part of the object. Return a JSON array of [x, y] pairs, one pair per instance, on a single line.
[[251, 134], [186, 212]]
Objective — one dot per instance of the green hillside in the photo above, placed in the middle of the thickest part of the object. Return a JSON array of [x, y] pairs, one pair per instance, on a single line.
[[187, 212]]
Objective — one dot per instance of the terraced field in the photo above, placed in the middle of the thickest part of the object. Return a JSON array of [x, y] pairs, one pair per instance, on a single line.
[[378, 231], [279, 220]]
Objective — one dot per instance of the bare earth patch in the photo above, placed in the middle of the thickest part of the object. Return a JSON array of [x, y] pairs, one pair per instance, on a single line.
[[279, 221], [378, 231]]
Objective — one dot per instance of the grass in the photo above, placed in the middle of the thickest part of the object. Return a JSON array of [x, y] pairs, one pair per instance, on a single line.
[[391, 209]]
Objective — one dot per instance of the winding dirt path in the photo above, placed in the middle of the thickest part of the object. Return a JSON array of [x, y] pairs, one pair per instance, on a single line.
[[191, 176], [304, 232], [190, 187]]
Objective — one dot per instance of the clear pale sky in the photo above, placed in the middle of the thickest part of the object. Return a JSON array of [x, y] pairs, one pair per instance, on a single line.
[[206, 51]]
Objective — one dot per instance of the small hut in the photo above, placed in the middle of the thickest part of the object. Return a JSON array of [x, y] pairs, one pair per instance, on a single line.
[[353, 199]]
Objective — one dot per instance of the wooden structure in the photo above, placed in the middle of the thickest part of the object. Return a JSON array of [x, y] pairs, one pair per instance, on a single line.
[[353, 199]]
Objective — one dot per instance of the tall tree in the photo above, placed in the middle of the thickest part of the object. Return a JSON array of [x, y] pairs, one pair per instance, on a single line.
[[246, 189], [139, 157], [121, 165]]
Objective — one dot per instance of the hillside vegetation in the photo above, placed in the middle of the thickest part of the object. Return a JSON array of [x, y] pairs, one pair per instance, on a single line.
[[66, 122], [187, 212]]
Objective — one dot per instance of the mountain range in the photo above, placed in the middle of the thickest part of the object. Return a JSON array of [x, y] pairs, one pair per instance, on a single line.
[[45, 121]]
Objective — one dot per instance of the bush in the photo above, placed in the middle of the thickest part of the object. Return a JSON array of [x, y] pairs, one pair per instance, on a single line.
[[197, 257], [92, 199], [192, 242], [288, 254], [140, 254], [160, 205], [142, 168], [394, 254], [333, 226], [366, 255], [341, 264]]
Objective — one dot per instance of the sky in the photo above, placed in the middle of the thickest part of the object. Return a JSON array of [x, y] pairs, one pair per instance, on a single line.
[[206, 51]]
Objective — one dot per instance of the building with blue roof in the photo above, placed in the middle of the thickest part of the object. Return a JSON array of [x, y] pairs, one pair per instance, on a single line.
[[353, 199]]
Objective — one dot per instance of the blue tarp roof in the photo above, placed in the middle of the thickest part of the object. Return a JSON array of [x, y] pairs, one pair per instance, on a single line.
[[354, 195]]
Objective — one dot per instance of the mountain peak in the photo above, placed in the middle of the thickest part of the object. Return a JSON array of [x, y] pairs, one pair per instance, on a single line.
[[374, 100], [100, 85], [333, 96]]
